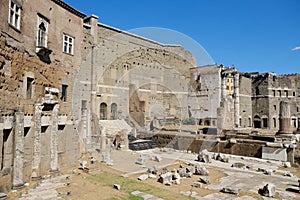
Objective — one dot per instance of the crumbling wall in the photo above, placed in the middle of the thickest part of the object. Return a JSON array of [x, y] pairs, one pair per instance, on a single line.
[[249, 148], [16, 65]]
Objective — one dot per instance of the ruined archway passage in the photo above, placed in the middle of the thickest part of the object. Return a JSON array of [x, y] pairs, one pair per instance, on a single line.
[[257, 122]]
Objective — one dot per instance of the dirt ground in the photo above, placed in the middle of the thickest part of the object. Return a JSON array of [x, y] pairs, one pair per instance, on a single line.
[[98, 184]]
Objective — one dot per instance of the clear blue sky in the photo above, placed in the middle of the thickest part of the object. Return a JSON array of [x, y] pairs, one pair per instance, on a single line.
[[253, 35]]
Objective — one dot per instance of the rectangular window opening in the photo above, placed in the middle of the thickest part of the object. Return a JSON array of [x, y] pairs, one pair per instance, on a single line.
[[68, 42], [14, 17], [6, 133], [64, 93], [29, 87]]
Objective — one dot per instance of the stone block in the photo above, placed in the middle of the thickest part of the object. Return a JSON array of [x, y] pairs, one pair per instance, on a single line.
[[204, 156], [204, 180], [143, 177], [269, 190], [153, 169], [238, 165], [197, 185], [165, 178], [141, 160], [117, 186], [230, 190], [3, 196]]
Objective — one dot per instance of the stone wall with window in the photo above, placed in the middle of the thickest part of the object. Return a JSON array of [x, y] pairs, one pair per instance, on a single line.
[[268, 91], [37, 134]]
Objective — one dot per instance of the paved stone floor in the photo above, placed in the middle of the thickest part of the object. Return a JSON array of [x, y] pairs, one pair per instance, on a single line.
[[46, 189], [145, 196]]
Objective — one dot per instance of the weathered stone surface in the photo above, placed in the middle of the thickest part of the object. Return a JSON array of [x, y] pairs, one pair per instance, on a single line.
[[238, 165], [164, 170], [286, 164], [190, 169], [197, 185], [3, 196], [230, 190], [204, 156], [153, 169], [222, 158], [152, 176], [184, 173], [202, 171], [204, 180], [166, 178], [141, 160], [117, 186], [143, 177], [176, 178], [269, 190], [157, 158]]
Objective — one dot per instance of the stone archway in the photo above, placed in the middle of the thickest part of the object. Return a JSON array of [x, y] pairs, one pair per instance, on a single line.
[[114, 111], [103, 111], [257, 121]]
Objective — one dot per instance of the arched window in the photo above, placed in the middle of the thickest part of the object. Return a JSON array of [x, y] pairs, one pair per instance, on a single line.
[[103, 111], [42, 31], [114, 110]]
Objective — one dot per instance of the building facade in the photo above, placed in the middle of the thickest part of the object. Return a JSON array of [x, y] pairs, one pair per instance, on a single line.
[[269, 90], [62, 72], [40, 54]]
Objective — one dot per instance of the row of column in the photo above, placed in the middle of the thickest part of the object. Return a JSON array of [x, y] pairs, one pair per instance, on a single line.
[[19, 144]]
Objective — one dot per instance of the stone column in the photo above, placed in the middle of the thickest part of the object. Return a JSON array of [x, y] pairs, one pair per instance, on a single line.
[[236, 100], [83, 132], [220, 122], [54, 138], [37, 141], [19, 151], [223, 87], [103, 140], [284, 118], [88, 127]]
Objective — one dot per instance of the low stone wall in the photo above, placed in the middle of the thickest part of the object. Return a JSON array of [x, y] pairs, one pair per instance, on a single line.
[[242, 147]]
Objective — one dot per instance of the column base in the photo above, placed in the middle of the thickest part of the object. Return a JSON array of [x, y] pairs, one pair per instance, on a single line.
[[35, 176], [18, 186], [55, 172]]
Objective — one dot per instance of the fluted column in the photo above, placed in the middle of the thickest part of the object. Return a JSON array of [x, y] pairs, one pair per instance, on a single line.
[[284, 118]]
